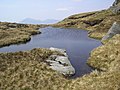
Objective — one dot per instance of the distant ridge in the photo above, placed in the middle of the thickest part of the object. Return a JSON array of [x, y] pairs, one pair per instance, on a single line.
[[35, 21]]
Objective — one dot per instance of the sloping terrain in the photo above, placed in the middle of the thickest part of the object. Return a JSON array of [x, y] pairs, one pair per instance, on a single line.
[[98, 22]]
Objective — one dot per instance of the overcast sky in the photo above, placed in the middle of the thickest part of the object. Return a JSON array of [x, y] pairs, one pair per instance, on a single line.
[[17, 10]]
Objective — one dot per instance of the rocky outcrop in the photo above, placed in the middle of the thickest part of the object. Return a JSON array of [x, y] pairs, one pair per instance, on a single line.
[[115, 29], [116, 10], [61, 63], [116, 7], [116, 2], [93, 23]]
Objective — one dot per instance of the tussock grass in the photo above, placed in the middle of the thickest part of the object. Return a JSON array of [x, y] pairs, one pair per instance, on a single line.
[[105, 56], [28, 71]]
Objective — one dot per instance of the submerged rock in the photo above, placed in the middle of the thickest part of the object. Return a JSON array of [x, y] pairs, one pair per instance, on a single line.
[[61, 63], [115, 29]]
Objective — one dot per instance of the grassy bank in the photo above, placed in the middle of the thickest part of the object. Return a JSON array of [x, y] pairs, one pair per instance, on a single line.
[[13, 33], [106, 56]]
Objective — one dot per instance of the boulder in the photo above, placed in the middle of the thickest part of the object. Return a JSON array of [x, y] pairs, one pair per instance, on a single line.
[[61, 63], [59, 50], [115, 29]]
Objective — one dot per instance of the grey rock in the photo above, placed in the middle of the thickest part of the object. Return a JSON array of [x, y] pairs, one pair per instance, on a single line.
[[61, 63], [116, 9], [116, 2], [115, 29], [59, 50]]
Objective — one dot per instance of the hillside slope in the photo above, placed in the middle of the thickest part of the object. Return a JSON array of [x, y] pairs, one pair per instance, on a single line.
[[98, 22]]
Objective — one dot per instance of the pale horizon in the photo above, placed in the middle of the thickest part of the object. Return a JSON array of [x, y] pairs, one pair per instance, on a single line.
[[17, 10]]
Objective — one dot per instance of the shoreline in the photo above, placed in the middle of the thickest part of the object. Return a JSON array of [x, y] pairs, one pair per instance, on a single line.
[[16, 33], [105, 58]]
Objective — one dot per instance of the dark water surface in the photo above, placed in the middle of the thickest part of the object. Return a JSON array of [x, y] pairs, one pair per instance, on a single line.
[[76, 42]]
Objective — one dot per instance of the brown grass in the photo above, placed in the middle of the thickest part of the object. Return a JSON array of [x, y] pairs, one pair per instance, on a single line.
[[28, 71], [13, 33]]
